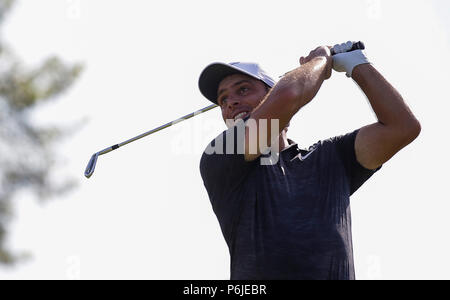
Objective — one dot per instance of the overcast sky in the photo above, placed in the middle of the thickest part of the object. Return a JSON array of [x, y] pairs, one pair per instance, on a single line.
[[145, 213]]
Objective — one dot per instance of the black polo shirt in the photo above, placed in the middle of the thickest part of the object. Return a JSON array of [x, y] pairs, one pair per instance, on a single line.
[[289, 220]]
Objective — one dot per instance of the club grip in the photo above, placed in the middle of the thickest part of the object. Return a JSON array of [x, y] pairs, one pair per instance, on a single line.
[[356, 46]]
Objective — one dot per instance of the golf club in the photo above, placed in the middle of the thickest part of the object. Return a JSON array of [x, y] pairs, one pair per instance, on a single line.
[[93, 161]]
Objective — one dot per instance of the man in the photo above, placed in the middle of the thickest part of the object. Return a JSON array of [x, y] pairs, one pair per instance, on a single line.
[[291, 219]]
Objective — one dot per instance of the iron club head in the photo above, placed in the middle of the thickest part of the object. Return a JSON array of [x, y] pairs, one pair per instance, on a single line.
[[91, 165]]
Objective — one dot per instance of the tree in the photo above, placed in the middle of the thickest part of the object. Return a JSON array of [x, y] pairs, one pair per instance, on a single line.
[[26, 153]]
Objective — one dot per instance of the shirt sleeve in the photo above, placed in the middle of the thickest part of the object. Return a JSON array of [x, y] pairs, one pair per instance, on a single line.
[[356, 173], [223, 169]]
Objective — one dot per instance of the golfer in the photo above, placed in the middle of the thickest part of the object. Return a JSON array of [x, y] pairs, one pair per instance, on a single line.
[[290, 219]]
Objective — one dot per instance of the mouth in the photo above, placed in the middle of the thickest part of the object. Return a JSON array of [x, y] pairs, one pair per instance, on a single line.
[[241, 115]]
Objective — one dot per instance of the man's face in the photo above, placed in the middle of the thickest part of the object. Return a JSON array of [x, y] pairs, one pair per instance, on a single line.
[[239, 95]]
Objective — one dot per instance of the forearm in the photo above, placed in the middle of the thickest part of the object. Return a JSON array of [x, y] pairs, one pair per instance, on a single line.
[[386, 101], [292, 92], [303, 83]]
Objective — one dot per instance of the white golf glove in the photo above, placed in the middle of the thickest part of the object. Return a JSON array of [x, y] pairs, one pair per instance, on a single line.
[[346, 61]]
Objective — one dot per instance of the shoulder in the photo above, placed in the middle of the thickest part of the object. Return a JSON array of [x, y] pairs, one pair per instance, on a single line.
[[336, 148], [344, 142]]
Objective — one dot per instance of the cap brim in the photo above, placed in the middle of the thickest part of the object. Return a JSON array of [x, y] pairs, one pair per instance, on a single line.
[[211, 77]]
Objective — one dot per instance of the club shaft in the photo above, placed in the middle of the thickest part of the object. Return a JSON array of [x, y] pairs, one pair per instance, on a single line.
[[188, 116]]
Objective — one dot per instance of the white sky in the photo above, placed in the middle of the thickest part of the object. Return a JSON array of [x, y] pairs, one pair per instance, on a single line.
[[145, 213]]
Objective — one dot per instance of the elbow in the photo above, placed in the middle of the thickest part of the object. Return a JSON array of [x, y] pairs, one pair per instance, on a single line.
[[416, 128], [412, 130]]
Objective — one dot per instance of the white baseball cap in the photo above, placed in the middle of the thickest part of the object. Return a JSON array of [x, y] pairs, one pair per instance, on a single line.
[[214, 73]]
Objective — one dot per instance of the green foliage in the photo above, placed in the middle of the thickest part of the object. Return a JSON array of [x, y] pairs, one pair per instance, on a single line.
[[26, 152]]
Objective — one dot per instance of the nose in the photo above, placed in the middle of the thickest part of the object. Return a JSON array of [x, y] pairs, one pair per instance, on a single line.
[[232, 102]]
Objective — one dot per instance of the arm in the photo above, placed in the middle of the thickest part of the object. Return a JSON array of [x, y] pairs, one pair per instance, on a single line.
[[292, 92], [396, 127]]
